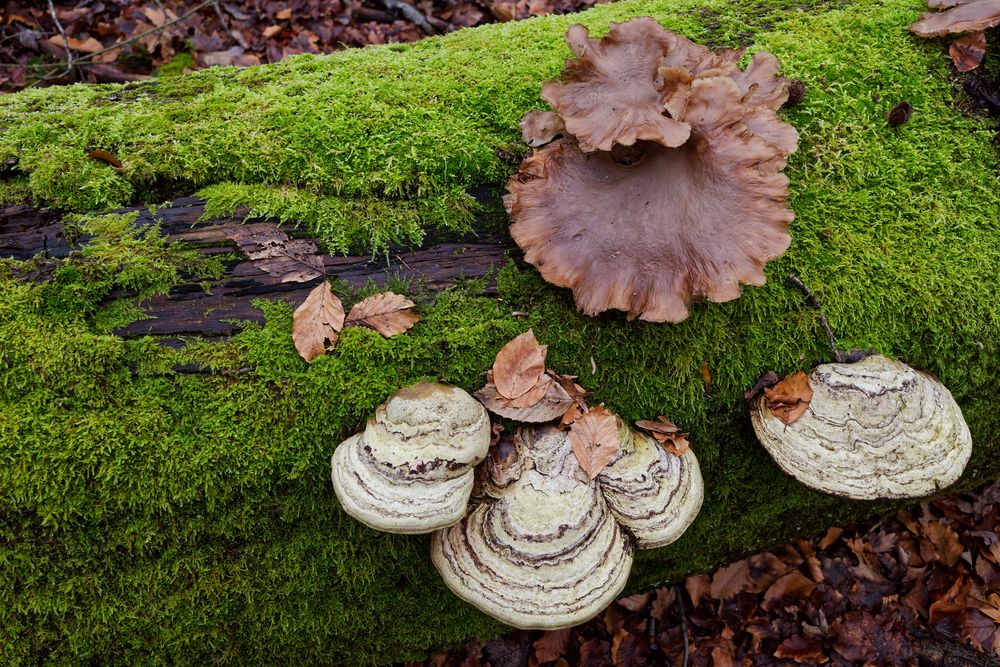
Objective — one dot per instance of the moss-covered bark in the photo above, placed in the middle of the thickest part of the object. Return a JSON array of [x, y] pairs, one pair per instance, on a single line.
[[148, 517]]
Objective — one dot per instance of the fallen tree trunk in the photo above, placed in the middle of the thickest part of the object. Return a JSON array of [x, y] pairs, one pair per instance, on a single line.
[[150, 514]]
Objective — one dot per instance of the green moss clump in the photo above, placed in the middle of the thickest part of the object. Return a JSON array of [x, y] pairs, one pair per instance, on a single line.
[[149, 516]]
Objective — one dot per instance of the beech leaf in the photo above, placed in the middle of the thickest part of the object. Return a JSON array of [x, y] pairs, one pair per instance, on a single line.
[[553, 405], [519, 365], [968, 51], [730, 580], [271, 250], [105, 156], [789, 399], [387, 313], [666, 433], [594, 438], [319, 319]]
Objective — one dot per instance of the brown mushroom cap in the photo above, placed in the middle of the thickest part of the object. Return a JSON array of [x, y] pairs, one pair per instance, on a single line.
[[961, 17], [652, 229], [607, 94], [540, 127]]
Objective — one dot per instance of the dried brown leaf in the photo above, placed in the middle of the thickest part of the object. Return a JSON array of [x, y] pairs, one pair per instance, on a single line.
[[272, 251], [968, 51], [594, 438], [387, 313], [553, 405], [730, 580], [667, 434], [801, 650], [319, 319], [831, 536], [571, 415], [533, 395], [636, 602], [519, 365], [947, 546], [789, 399], [105, 156], [552, 645], [697, 586], [793, 585], [768, 379]]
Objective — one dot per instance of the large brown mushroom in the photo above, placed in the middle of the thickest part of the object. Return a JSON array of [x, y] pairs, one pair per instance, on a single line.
[[651, 226]]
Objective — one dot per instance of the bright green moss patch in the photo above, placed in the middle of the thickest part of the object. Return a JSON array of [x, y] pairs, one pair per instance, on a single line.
[[149, 517]]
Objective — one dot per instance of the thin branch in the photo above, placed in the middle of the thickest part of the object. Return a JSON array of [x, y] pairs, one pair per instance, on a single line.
[[410, 13], [69, 51], [815, 303], [684, 629]]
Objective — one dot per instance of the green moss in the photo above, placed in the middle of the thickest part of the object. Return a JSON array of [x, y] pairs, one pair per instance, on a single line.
[[149, 516], [176, 65]]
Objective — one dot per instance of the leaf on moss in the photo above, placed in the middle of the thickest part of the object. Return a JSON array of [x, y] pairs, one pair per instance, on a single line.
[[666, 433], [519, 366], [594, 438], [105, 156], [968, 51], [272, 251], [319, 319], [387, 313], [789, 399]]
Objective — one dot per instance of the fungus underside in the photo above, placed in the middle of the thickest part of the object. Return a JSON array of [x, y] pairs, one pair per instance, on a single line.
[[152, 517]]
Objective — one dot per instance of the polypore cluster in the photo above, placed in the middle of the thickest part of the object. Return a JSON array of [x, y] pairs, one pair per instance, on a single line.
[[875, 428], [543, 545], [667, 185]]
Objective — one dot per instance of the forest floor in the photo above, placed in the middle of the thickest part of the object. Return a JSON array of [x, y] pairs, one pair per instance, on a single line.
[[918, 588], [129, 40]]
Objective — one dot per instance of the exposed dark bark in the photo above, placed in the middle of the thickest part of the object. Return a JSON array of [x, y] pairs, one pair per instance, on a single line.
[[192, 310]]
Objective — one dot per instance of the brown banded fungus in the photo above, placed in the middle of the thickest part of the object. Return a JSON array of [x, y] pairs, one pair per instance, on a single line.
[[547, 548], [875, 428], [412, 469], [633, 213], [960, 17]]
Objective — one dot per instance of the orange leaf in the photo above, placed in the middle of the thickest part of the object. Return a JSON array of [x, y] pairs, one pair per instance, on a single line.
[[667, 434], [730, 580], [319, 319], [89, 45], [789, 399], [387, 313], [105, 156], [533, 395], [968, 51], [519, 365], [594, 438]]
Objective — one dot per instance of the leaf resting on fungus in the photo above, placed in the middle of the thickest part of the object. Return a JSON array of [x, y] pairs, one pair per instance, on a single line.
[[319, 319], [519, 366], [594, 438], [666, 433], [553, 405], [387, 313], [789, 399]]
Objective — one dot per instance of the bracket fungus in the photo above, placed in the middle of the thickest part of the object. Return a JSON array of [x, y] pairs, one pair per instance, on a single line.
[[413, 468], [547, 547], [667, 186], [960, 17], [875, 428]]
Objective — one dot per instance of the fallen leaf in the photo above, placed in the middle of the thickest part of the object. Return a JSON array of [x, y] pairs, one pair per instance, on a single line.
[[284, 14], [697, 586], [387, 313], [947, 546], [768, 379], [292, 260], [706, 376], [571, 415], [156, 16], [552, 645], [533, 395], [519, 365], [968, 51], [553, 405], [831, 536], [792, 586], [730, 580], [105, 156], [89, 45], [991, 607], [667, 434], [789, 399], [319, 319], [636, 602], [272, 30], [801, 650], [594, 438]]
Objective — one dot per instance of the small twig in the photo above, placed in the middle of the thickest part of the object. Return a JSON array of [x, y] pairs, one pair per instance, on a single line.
[[410, 13], [815, 302], [69, 51], [684, 629]]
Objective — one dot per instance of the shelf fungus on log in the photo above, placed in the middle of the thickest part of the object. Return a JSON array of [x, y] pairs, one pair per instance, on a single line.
[[545, 552], [653, 493], [412, 469], [875, 428], [651, 221], [548, 548]]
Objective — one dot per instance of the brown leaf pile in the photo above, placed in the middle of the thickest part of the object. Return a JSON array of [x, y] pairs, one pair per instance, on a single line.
[[789, 399], [919, 588], [230, 32], [318, 321]]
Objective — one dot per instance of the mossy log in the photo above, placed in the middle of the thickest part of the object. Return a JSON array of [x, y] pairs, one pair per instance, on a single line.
[[171, 503]]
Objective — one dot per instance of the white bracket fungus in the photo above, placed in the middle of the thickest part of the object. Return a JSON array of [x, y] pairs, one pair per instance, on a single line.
[[412, 469], [876, 428]]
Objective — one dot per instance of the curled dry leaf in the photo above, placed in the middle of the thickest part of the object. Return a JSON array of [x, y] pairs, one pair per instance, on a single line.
[[594, 438], [387, 313], [789, 399], [519, 366], [768, 379], [666, 433], [271, 250], [552, 405], [105, 156], [319, 319], [968, 51]]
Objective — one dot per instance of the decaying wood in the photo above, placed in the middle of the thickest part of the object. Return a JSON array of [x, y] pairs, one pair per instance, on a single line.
[[194, 309]]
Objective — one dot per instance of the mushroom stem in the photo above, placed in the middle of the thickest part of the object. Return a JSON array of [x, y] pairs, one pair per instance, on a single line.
[[839, 356]]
